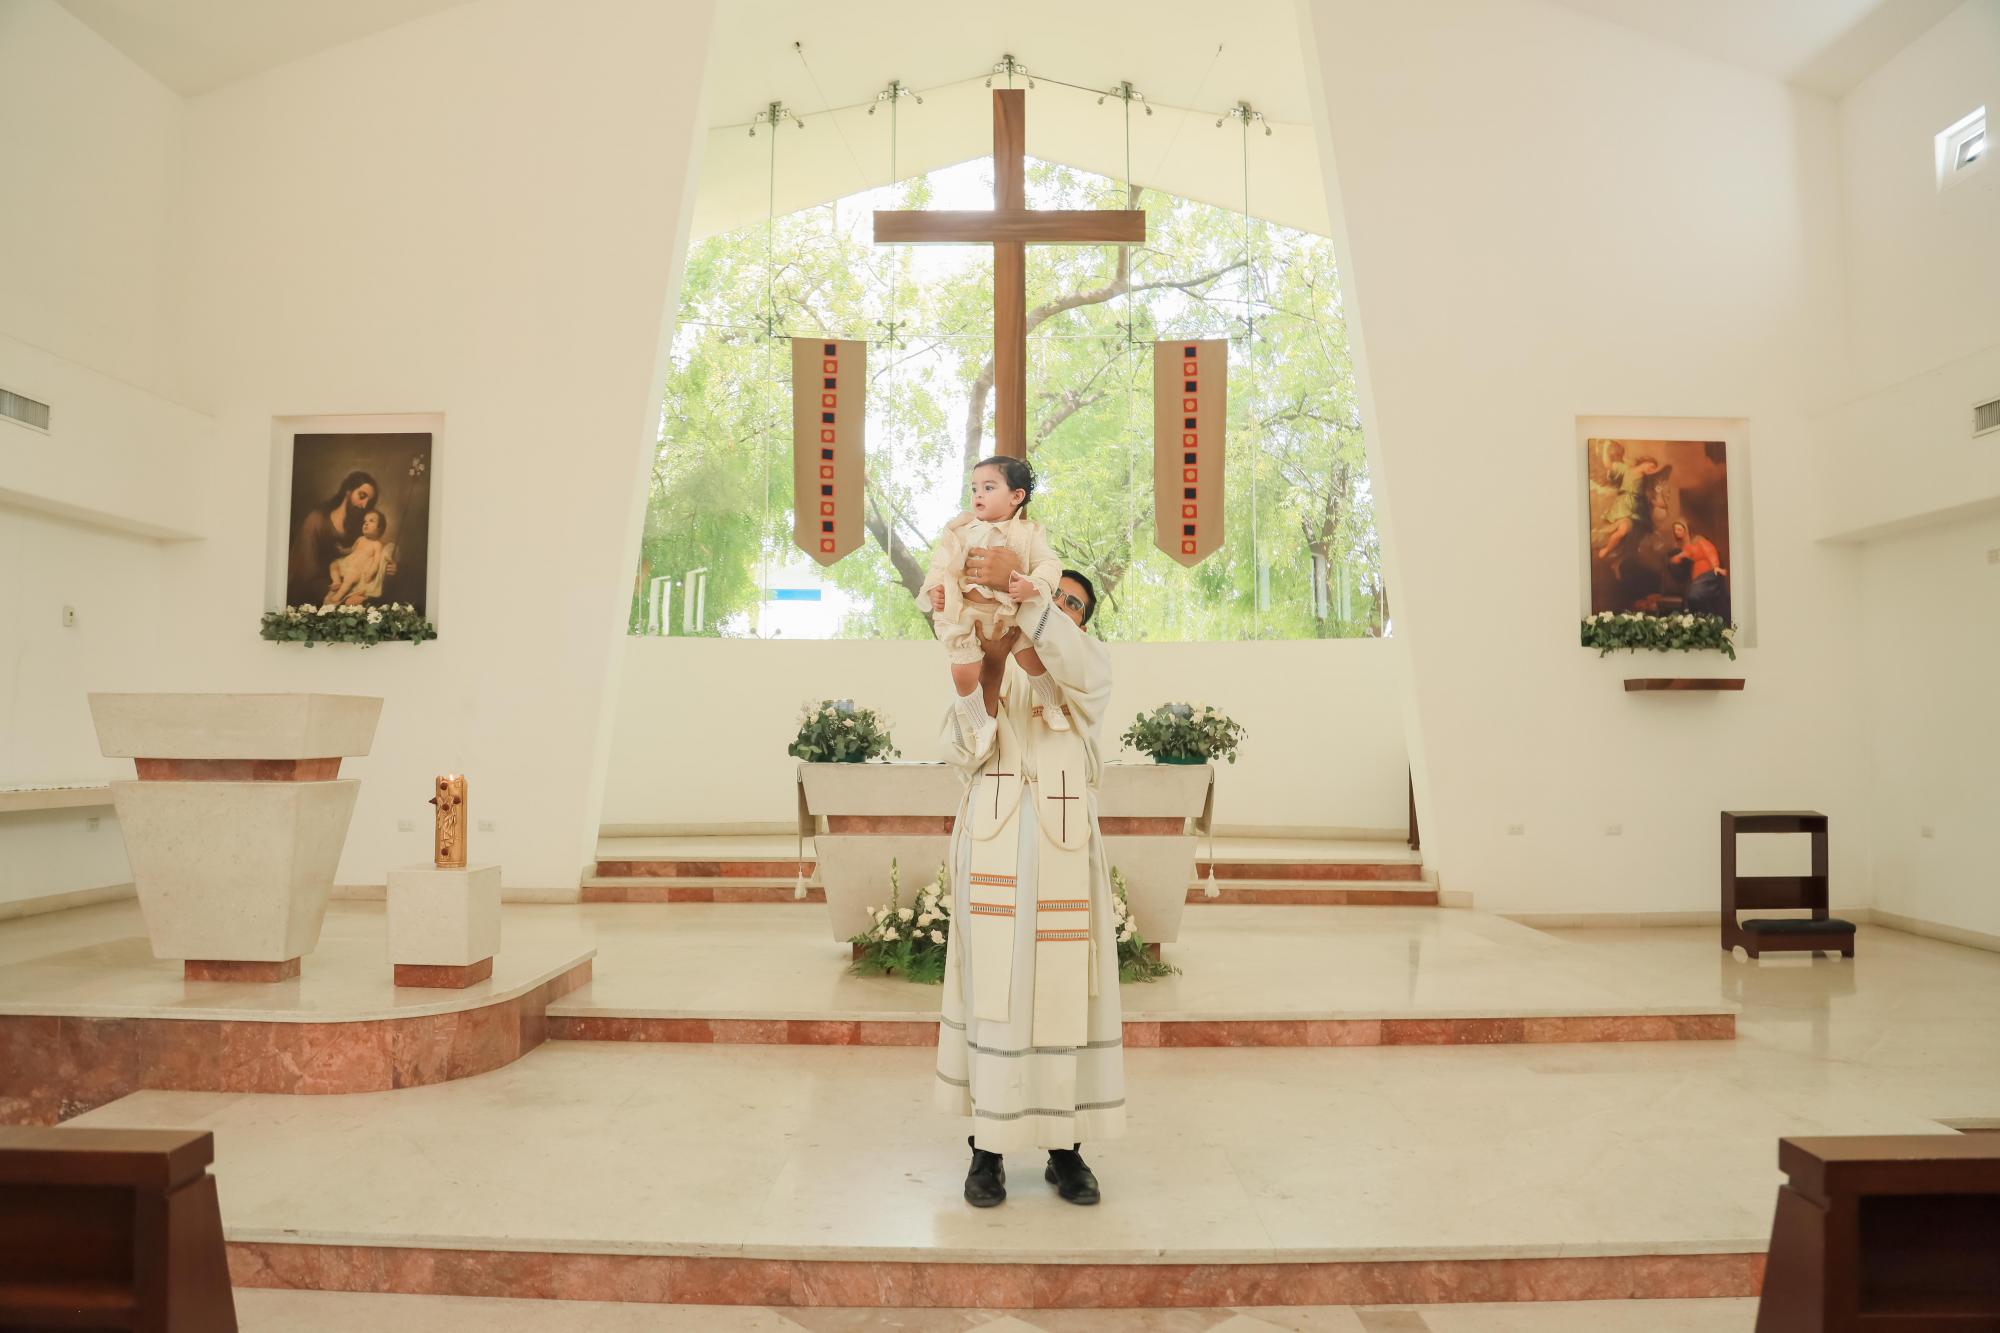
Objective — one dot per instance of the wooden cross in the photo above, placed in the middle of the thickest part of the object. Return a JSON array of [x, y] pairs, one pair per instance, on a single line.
[[996, 776], [1010, 228], [1064, 808]]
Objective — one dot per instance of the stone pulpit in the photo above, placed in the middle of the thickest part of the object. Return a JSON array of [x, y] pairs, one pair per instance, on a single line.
[[235, 823], [863, 816]]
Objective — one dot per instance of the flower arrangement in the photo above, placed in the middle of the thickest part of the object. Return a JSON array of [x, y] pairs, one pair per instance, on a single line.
[[1134, 963], [1185, 734], [834, 731], [909, 940], [396, 622], [1609, 631], [912, 941]]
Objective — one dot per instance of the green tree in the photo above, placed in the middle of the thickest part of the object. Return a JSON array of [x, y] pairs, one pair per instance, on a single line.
[[1300, 558]]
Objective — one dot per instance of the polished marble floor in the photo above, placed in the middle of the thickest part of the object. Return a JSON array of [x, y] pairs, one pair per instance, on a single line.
[[95, 962], [1371, 1153], [1243, 963], [339, 1312]]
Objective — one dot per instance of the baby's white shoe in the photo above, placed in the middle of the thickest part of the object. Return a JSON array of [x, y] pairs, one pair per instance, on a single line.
[[983, 737], [1049, 699]]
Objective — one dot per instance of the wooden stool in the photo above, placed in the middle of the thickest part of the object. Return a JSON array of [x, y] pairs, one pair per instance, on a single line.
[[1822, 932], [1893, 1232], [111, 1229]]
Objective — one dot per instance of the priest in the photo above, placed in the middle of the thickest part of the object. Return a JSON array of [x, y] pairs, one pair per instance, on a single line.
[[1031, 1046]]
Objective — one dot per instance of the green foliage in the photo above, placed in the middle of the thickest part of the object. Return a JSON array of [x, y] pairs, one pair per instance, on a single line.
[[1134, 963], [1298, 504], [834, 731], [1608, 632], [1183, 731], [395, 622], [907, 941]]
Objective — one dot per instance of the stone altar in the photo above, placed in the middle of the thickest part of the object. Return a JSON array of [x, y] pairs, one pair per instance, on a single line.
[[235, 824], [861, 816]]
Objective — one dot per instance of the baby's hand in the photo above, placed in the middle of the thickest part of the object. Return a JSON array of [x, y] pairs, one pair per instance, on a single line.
[[1020, 589], [937, 599]]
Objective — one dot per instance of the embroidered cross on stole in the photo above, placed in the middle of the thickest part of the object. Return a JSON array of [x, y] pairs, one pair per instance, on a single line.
[[1064, 978]]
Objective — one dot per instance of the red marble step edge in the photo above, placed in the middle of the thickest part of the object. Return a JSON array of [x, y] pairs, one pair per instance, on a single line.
[[699, 1280], [1112, 826], [238, 770], [52, 1068], [642, 892], [1310, 870], [1147, 1033], [1228, 895], [444, 976], [1402, 872]]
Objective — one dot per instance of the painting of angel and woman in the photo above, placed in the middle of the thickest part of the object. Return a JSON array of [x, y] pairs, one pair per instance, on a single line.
[[360, 519], [1659, 526]]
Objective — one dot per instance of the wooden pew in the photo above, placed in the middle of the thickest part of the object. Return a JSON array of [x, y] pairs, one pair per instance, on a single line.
[[1765, 893], [111, 1229], [1895, 1232]]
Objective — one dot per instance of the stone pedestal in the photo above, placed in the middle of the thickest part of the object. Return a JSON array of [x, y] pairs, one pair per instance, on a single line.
[[235, 825], [444, 924], [861, 816]]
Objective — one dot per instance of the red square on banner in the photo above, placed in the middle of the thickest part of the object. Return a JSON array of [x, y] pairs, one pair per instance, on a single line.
[[826, 435], [1187, 548], [1187, 439], [829, 366], [1187, 404], [1187, 511], [826, 508], [826, 472], [826, 544], [826, 399], [1187, 474]]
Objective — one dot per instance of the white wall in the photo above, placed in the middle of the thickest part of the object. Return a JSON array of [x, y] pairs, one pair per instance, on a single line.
[[1903, 473], [477, 214], [1934, 723], [1923, 282], [1547, 217], [700, 732]]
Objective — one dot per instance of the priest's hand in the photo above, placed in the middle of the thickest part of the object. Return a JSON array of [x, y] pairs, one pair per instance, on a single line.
[[992, 566]]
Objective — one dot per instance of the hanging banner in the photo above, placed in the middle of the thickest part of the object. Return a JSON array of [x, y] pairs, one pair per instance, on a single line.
[[829, 411], [1190, 404]]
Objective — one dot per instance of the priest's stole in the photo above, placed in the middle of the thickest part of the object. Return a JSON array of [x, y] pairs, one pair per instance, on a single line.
[[829, 414], [993, 811], [1190, 405], [1063, 945]]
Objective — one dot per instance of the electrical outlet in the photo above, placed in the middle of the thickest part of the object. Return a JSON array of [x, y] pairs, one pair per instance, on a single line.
[[1516, 830], [69, 617], [485, 826], [406, 826], [91, 823], [1927, 831], [1614, 830]]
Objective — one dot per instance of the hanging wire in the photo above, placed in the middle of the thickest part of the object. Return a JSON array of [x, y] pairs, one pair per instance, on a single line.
[[799, 49]]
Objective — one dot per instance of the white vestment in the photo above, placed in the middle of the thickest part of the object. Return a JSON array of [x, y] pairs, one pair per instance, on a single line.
[[1021, 1095]]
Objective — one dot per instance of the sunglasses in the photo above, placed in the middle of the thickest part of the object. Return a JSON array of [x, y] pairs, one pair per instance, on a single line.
[[1071, 601]]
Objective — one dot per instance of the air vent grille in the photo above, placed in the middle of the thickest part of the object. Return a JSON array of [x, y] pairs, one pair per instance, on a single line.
[[1986, 417], [19, 407]]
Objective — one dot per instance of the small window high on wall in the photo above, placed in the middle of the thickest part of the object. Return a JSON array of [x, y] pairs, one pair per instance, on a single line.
[[1962, 149]]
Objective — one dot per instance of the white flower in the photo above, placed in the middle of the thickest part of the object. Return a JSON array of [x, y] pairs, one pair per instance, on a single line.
[[925, 918], [847, 722], [1124, 934], [374, 616], [904, 914], [881, 915], [889, 933], [1687, 622], [937, 937], [1729, 632]]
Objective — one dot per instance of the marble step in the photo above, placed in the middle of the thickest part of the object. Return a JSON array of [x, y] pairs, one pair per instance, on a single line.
[[1317, 893], [773, 871], [1239, 893]]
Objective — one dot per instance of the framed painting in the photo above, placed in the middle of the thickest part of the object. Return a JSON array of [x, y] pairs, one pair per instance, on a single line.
[[1659, 526], [358, 530]]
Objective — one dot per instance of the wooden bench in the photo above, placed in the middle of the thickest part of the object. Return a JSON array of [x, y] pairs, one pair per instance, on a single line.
[[111, 1229], [1821, 932], [1893, 1233]]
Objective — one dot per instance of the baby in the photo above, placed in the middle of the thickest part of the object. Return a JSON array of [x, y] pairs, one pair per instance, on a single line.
[[359, 572], [977, 624]]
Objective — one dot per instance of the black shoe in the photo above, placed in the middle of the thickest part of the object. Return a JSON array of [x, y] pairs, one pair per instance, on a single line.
[[1070, 1176], [986, 1182]]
